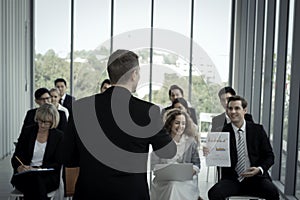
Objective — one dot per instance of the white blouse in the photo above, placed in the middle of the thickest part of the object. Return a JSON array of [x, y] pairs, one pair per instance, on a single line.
[[38, 153]]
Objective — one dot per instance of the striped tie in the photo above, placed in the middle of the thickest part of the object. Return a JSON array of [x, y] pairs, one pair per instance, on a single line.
[[240, 166]]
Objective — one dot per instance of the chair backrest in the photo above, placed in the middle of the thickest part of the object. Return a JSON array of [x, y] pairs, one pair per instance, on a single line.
[[71, 174]]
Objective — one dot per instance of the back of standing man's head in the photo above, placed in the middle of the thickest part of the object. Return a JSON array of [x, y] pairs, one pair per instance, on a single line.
[[58, 80], [225, 90], [119, 63]]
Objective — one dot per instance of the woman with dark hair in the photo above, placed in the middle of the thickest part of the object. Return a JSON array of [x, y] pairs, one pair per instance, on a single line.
[[38, 147], [182, 104], [179, 125]]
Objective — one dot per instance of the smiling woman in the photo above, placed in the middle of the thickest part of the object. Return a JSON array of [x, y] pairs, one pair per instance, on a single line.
[[180, 126]]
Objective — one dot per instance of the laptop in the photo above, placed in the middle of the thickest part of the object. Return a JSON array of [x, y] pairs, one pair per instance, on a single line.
[[173, 172]]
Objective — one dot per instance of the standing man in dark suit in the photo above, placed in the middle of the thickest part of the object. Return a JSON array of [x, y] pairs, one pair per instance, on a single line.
[[42, 96], [66, 100], [251, 157], [219, 121], [109, 134]]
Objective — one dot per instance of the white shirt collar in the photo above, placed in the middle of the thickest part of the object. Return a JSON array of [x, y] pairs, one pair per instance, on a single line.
[[236, 128], [63, 97], [227, 118]]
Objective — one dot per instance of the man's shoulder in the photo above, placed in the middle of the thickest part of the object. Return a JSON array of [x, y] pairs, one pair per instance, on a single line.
[[248, 117], [31, 112], [142, 103], [70, 97], [253, 124], [218, 117]]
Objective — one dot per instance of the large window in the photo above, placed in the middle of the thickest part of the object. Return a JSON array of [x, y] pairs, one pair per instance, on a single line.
[[211, 52], [91, 45], [134, 33], [170, 39], [52, 42], [287, 90]]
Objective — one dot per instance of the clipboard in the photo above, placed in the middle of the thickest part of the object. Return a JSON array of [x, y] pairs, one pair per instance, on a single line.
[[174, 172], [34, 170]]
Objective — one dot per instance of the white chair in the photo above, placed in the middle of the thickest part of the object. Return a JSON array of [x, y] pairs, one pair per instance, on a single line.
[[16, 194]]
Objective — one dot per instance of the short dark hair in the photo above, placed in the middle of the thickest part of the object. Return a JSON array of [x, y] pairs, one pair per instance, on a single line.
[[60, 80], [39, 92], [238, 98], [119, 63], [175, 87], [225, 90], [105, 81], [183, 102]]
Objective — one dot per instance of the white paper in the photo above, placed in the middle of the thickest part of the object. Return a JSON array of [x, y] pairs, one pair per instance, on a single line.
[[174, 172], [219, 149]]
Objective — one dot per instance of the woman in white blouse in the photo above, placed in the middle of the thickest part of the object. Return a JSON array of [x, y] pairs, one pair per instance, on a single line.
[[38, 147], [180, 126], [55, 97]]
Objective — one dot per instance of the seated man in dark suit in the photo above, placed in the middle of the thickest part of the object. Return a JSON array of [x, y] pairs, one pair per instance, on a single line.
[[251, 157], [66, 100], [177, 92], [42, 96], [219, 121]]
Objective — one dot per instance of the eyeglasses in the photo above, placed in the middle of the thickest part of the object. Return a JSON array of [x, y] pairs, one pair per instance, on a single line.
[[47, 123], [44, 99]]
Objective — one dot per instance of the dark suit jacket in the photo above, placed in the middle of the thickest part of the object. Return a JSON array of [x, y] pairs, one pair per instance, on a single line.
[[95, 178], [52, 156], [259, 150], [219, 121], [192, 112], [29, 119], [68, 102]]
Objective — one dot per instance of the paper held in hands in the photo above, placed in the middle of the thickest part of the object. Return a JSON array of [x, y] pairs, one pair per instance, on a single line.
[[173, 172], [34, 170], [219, 150]]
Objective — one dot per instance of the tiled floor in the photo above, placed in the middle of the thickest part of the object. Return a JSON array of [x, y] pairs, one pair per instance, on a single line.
[[5, 175], [6, 172], [205, 182]]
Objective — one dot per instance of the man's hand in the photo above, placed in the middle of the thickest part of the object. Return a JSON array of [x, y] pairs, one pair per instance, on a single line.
[[252, 171], [205, 151]]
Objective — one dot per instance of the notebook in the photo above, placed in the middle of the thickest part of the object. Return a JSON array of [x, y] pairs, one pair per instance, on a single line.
[[173, 172], [34, 170]]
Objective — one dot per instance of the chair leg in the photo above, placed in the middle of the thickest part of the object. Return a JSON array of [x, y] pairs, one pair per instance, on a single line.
[[207, 174]]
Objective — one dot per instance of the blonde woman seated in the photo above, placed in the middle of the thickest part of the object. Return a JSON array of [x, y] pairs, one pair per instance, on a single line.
[[179, 125], [38, 147]]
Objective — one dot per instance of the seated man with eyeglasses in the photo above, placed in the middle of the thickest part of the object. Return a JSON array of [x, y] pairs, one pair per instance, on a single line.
[[42, 96]]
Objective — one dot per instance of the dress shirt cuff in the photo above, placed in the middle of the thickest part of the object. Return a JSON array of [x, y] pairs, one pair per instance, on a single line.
[[261, 170], [196, 168]]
